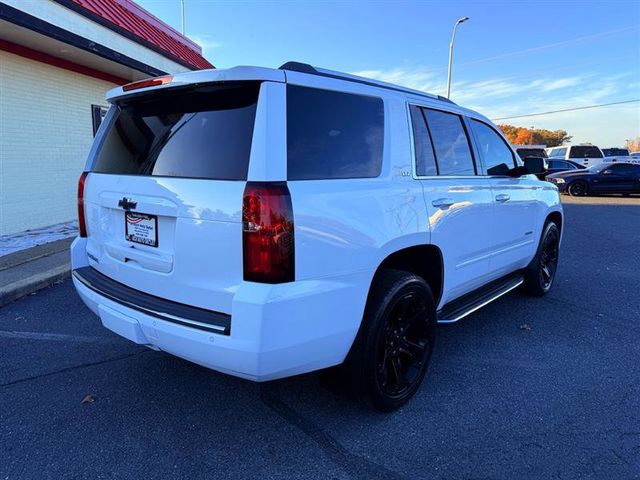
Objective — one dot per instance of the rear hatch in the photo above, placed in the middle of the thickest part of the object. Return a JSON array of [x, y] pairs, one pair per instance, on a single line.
[[163, 198]]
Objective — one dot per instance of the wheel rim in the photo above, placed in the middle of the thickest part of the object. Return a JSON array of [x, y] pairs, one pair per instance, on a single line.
[[578, 189], [548, 260], [404, 346]]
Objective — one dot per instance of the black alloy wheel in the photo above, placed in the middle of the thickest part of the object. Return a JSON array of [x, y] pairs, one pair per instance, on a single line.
[[403, 345], [541, 272], [391, 353], [578, 189]]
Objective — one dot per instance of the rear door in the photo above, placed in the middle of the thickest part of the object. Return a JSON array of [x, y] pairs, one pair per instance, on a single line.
[[516, 205], [163, 197], [458, 201]]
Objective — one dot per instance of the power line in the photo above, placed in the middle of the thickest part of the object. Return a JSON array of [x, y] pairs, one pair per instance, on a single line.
[[550, 45], [567, 110]]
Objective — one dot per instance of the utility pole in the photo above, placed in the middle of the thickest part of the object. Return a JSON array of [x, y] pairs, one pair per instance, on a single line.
[[182, 17], [453, 38], [531, 140]]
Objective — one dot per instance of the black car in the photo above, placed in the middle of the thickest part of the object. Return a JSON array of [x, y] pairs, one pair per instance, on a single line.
[[602, 178], [556, 166]]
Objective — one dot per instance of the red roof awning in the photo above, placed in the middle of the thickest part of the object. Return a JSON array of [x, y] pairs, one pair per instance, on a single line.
[[132, 18]]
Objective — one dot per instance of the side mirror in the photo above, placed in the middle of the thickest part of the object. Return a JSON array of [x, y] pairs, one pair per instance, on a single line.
[[607, 172], [535, 165]]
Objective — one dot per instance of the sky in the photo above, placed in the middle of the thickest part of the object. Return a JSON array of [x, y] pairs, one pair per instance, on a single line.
[[511, 58]]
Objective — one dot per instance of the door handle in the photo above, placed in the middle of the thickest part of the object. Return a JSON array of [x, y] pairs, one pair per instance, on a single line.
[[442, 202], [503, 197]]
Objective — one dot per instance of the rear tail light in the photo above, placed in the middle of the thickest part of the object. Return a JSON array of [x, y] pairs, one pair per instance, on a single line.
[[149, 82], [267, 233], [82, 226]]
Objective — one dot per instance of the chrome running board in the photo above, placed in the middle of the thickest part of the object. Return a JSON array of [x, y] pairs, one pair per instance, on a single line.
[[470, 302]]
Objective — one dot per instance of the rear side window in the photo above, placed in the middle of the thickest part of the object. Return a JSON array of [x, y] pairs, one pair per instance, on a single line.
[[450, 143], [585, 152], [203, 133], [425, 155], [333, 134], [494, 151]]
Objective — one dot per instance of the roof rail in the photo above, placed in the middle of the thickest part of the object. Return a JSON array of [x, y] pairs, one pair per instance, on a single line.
[[311, 70]]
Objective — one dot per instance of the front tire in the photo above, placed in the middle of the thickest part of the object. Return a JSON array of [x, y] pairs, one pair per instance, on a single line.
[[541, 272], [578, 189], [392, 351]]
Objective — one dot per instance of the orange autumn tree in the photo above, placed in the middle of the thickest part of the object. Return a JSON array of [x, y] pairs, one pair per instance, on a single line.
[[634, 145], [536, 136]]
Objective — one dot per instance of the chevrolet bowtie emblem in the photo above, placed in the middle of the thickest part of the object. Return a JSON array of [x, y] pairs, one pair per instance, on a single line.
[[127, 203]]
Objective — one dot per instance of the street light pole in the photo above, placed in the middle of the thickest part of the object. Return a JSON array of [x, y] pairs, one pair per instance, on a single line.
[[182, 16], [453, 38]]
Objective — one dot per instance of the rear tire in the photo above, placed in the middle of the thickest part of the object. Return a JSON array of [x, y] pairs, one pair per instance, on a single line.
[[392, 351], [578, 189], [541, 272]]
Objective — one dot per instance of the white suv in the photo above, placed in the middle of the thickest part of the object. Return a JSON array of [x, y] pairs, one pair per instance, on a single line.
[[270, 222]]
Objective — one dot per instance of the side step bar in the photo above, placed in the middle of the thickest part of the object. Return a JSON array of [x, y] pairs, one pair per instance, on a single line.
[[472, 301]]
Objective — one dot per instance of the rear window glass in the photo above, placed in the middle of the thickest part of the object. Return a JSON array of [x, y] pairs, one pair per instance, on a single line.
[[333, 134], [585, 152], [612, 152], [558, 152], [203, 133], [531, 152]]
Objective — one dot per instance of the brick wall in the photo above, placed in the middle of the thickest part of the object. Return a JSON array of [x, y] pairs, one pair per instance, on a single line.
[[45, 135]]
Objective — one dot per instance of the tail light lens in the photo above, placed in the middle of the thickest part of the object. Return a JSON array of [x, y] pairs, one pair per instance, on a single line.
[[82, 226], [267, 233]]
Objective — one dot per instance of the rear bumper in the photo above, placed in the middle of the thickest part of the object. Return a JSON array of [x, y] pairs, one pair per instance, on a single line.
[[275, 330]]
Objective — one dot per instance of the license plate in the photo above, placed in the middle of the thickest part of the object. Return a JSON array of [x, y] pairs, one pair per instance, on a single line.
[[141, 228]]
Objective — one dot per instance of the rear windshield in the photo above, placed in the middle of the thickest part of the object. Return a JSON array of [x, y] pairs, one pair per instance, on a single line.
[[531, 152], [615, 152], [203, 133], [585, 152], [333, 134]]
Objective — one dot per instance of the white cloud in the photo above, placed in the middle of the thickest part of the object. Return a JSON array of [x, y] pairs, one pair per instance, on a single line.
[[418, 78], [503, 97], [207, 42]]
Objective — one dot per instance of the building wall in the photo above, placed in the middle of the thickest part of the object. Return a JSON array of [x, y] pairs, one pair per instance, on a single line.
[[62, 17], [45, 134]]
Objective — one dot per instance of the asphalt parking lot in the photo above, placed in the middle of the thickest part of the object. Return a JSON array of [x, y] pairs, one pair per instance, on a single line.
[[522, 388]]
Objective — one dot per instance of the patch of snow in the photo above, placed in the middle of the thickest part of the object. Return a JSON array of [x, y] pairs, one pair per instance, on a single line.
[[31, 238]]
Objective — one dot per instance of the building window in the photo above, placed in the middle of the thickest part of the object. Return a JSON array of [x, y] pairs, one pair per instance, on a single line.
[[97, 115]]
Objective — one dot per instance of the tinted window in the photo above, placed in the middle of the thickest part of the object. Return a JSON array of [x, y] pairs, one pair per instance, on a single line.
[[622, 168], [559, 164], [494, 151], [333, 134], [585, 152], [531, 152], [425, 156], [204, 133], [450, 143], [615, 152]]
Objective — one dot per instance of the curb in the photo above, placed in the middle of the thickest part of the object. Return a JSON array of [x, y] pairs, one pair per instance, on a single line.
[[32, 284]]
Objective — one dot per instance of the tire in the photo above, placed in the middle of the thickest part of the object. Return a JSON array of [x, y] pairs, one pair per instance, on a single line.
[[393, 348], [541, 272], [578, 189]]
